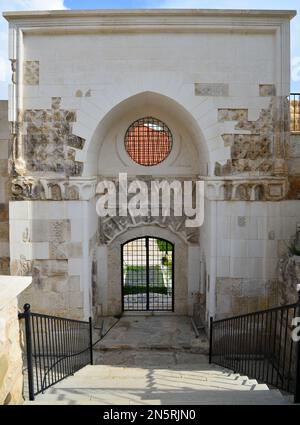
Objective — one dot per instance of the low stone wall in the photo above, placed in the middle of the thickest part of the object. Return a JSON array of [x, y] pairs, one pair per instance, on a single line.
[[11, 376]]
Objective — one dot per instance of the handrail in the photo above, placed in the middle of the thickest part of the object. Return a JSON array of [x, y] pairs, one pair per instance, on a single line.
[[48, 337], [255, 313], [260, 344]]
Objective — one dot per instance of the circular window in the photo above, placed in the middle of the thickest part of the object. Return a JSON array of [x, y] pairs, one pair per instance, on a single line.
[[148, 141]]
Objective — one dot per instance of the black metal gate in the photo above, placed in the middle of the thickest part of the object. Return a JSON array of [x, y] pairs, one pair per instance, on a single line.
[[148, 275]]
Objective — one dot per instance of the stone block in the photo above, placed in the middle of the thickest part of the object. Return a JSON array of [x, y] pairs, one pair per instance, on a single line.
[[211, 89], [267, 90], [4, 232], [31, 73]]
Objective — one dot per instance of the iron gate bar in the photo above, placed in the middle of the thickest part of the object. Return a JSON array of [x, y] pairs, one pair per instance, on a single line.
[[136, 275]]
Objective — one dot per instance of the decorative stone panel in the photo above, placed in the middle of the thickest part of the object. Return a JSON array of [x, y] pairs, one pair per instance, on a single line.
[[267, 90], [48, 133], [248, 189], [262, 151], [211, 89], [55, 189], [31, 73]]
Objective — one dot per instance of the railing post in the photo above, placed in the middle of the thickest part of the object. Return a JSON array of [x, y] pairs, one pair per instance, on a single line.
[[297, 389], [211, 322], [28, 336], [91, 341]]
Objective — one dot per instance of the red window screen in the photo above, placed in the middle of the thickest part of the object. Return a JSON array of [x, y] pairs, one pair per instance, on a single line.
[[148, 141]]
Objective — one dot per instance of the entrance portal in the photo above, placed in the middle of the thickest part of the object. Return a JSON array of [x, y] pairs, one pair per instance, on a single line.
[[148, 275]]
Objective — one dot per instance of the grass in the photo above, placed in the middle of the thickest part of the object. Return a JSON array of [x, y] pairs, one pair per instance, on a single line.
[[131, 290]]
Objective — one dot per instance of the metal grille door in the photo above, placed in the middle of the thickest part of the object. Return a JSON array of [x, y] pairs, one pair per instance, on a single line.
[[148, 275]]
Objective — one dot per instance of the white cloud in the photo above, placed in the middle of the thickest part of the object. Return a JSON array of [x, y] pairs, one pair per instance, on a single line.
[[12, 5]]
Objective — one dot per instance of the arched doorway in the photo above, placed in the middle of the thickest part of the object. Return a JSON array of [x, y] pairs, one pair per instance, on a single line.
[[147, 274]]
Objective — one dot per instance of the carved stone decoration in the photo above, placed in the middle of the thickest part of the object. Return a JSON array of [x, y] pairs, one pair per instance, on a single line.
[[48, 134], [289, 277], [32, 188], [261, 151], [111, 227], [13, 63], [31, 73], [25, 188], [251, 189], [211, 89]]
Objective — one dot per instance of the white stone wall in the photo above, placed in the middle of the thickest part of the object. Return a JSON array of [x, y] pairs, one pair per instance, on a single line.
[[218, 79], [247, 242], [4, 186], [54, 242]]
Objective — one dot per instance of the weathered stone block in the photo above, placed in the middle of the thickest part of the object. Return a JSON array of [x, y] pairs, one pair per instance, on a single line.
[[267, 90], [211, 89], [31, 73]]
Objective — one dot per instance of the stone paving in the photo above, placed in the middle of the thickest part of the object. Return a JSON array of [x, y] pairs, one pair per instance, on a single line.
[[164, 332]]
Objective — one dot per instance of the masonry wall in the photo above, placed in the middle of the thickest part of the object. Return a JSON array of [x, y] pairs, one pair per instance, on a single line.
[[251, 238], [54, 242], [4, 186], [222, 85]]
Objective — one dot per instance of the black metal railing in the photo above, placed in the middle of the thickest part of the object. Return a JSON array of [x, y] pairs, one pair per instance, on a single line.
[[261, 345], [295, 112], [56, 348]]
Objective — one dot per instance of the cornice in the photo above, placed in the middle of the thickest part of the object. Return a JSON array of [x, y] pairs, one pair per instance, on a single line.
[[54, 14]]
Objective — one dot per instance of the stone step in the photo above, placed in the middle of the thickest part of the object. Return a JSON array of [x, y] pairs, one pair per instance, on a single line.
[[117, 397]]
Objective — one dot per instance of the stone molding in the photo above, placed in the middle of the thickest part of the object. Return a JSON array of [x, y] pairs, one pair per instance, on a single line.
[[246, 189], [53, 188]]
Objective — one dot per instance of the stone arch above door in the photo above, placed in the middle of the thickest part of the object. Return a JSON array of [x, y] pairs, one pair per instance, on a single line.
[[189, 154]]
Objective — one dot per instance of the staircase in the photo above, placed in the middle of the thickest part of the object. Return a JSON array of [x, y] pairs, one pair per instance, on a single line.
[[158, 377], [154, 360]]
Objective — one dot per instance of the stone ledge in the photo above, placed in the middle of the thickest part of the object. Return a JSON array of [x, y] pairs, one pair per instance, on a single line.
[[11, 287]]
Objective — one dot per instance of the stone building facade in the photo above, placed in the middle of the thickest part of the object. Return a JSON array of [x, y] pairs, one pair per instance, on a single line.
[[220, 80]]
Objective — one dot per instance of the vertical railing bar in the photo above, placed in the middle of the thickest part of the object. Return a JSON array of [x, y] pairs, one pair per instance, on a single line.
[[283, 383], [60, 344], [28, 336], [211, 323], [55, 366], [39, 348], [279, 351], [44, 352], [269, 345], [290, 358], [50, 350], [247, 347], [274, 348], [256, 344], [66, 344], [233, 346], [35, 350], [47, 351], [57, 349], [91, 340], [297, 366]]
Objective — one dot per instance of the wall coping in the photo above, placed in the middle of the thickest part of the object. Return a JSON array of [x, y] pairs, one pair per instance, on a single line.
[[11, 287], [287, 14]]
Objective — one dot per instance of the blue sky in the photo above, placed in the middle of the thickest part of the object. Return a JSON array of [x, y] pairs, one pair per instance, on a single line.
[[148, 4]]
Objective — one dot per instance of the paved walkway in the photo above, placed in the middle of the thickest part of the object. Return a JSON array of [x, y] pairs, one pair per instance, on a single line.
[[165, 332]]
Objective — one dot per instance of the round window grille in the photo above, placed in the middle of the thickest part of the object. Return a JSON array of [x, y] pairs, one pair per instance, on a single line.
[[148, 141]]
